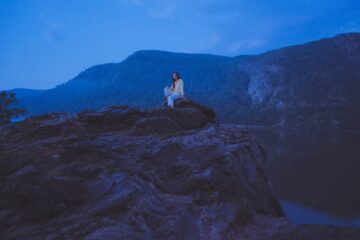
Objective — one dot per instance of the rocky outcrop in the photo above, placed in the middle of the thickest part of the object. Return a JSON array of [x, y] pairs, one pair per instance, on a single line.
[[125, 173]]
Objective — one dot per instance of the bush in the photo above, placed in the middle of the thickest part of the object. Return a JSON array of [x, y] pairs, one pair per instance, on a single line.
[[7, 109]]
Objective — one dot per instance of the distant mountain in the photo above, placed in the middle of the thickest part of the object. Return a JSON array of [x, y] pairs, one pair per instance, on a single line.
[[315, 84], [25, 93]]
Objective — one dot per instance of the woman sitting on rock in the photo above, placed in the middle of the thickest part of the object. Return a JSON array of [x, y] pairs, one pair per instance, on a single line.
[[176, 91]]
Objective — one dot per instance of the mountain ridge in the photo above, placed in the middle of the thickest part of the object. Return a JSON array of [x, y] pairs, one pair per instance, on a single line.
[[272, 88], [207, 54]]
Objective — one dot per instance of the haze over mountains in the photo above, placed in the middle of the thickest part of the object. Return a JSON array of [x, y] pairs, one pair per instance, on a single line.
[[315, 84]]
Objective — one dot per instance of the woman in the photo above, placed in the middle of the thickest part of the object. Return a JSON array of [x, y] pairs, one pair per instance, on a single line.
[[176, 91]]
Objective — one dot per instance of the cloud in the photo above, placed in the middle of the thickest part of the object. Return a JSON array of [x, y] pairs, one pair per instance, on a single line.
[[52, 31], [352, 26], [246, 45], [209, 42], [161, 12], [159, 9], [133, 2]]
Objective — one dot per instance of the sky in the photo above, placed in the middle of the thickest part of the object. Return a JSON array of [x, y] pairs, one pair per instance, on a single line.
[[44, 43]]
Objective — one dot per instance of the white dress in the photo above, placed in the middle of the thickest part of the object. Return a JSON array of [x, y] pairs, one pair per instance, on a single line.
[[174, 93]]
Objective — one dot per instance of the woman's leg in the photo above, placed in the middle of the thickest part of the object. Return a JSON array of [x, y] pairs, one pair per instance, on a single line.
[[170, 101], [172, 98]]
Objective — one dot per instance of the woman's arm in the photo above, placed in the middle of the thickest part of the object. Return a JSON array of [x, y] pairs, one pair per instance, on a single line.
[[181, 87]]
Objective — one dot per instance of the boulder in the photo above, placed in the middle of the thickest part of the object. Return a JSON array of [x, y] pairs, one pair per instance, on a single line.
[[43, 126], [186, 118], [112, 118], [165, 176], [187, 102], [156, 125], [186, 113]]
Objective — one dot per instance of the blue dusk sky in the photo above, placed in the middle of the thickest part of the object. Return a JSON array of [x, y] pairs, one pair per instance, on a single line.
[[46, 42]]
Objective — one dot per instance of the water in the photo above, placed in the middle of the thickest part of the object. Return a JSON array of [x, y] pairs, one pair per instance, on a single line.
[[299, 214], [317, 171], [19, 119]]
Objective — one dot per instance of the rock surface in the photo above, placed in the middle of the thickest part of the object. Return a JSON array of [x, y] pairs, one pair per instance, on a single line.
[[125, 173]]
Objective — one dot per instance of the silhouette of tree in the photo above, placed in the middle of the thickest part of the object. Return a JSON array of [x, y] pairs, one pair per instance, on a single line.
[[7, 108]]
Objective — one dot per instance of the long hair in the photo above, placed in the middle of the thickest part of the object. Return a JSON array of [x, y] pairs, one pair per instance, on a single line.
[[174, 79]]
